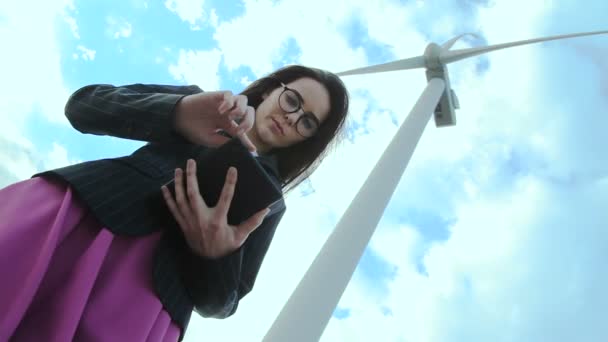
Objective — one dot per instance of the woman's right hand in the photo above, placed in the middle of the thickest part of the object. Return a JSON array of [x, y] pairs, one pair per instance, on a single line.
[[206, 229], [198, 117]]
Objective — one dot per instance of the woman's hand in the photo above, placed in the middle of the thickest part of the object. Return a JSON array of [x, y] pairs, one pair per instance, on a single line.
[[206, 229], [198, 117]]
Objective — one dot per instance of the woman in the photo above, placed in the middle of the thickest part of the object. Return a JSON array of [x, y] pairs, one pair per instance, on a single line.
[[87, 253]]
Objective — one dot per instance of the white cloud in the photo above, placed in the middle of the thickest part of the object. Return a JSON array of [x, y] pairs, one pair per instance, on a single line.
[[191, 11], [30, 34], [521, 177], [139, 4], [245, 81], [71, 21], [20, 159], [33, 60], [58, 157], [515, 265], [198, 67], [213, 18], [124, 32], [86, 54], [254, 40], [118, 27], [522, 258]]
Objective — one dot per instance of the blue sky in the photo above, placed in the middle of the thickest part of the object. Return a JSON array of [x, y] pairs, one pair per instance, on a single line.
[[497, 229]]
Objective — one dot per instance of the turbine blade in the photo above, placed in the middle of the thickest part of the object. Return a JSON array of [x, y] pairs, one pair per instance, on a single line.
[[403, 64], [456, 55], [448, 45]]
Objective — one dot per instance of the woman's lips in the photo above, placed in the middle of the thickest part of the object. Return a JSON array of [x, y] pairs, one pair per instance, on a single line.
[[278, 126]]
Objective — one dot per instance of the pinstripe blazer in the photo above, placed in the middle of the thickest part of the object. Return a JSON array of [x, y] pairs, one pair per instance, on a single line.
[[124, 195]]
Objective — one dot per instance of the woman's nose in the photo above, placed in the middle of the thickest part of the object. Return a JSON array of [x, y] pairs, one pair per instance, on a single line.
[[291, 118]]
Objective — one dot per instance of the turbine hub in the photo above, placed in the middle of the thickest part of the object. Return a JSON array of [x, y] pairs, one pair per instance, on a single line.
[[432, 56]]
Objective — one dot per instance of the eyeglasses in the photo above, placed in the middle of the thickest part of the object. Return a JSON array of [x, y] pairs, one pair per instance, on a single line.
[[291, 101]]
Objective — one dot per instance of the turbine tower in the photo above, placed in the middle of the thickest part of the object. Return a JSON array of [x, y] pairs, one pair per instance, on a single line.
[[309, 309]]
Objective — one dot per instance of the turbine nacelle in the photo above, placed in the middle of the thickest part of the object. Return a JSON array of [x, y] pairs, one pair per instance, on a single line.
[[445, 111]]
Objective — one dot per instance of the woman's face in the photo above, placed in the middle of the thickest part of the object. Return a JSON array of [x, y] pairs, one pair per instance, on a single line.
[[276, 127]]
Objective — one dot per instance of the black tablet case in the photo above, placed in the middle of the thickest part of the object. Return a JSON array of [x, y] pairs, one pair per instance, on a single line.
[[255, 189]]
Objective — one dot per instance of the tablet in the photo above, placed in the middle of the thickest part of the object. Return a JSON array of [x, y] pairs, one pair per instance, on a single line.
[[255, 189]]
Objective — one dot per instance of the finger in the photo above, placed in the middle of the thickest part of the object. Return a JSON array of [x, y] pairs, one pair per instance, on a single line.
[[180, 198], [174, 210], [246, 228], [236, 115], [227, 103], [239, 110], [223, 204], [197, 202], [247, 142], [244, 127], [248, 119], [187, 229], [229, 126]]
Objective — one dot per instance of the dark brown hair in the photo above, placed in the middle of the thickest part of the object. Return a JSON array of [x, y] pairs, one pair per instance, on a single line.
[[297, 162]]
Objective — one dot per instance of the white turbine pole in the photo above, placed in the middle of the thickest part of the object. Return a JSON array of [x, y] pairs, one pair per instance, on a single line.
[[303, 318], [309, 309]]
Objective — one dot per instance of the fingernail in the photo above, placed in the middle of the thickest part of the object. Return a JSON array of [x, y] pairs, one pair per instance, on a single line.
[[222, 108]]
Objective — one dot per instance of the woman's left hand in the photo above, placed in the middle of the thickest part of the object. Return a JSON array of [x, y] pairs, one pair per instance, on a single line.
[[206, 229]]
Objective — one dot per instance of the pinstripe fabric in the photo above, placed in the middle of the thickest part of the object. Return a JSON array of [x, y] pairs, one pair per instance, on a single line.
[[124, 195]]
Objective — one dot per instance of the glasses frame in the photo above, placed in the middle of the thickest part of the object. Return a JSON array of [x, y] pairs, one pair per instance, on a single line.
[[304, 114]]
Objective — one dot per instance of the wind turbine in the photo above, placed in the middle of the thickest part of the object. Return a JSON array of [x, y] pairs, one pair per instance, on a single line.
[[310, 307]]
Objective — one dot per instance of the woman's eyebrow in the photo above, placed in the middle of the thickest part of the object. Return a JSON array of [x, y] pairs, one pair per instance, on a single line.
[[303, 102], [315, 116], [299, 96]]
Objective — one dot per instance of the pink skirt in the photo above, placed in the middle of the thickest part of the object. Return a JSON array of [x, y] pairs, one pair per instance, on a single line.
[[64, 277]]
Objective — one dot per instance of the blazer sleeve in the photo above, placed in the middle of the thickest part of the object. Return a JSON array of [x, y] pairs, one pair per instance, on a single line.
[[138, 111], [217, 285]]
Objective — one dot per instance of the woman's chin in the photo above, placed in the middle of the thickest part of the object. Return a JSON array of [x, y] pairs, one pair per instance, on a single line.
[[265, 142]]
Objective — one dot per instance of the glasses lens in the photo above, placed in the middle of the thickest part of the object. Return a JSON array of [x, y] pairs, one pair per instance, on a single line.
[[307, 126], [289, 101]]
